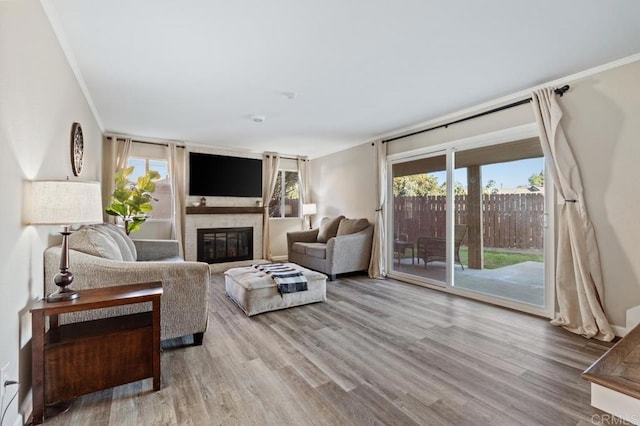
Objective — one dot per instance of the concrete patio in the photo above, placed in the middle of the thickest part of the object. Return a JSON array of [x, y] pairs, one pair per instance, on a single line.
[[522, 282]]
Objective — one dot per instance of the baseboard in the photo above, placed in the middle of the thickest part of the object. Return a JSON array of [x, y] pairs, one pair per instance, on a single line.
[[282, 258], [619, 330], [633, 317]]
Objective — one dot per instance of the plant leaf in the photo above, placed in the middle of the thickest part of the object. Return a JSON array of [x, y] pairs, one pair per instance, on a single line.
[[132, 201]]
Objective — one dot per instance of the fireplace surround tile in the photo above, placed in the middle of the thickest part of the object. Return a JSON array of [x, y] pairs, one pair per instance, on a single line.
[[199, 221]]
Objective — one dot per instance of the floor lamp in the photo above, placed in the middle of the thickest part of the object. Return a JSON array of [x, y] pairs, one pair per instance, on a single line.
[[309, 210], [66, 203]]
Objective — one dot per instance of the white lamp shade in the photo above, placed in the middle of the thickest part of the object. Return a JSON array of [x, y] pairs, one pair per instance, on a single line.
[[64, 202], [309, 209]]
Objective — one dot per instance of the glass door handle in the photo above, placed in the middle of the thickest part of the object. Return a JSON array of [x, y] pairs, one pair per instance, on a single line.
[[544, 220]]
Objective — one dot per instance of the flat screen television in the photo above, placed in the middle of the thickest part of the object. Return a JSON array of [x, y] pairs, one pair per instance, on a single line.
[[220, 175]]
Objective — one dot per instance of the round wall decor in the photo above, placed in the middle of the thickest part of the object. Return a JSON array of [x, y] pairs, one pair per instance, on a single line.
[[77, 148]]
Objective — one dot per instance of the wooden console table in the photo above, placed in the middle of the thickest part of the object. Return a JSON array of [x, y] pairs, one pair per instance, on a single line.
[[84, 357]]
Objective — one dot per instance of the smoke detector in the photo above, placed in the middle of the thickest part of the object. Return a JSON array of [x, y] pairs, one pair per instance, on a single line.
[[258, 118], [289, 95]]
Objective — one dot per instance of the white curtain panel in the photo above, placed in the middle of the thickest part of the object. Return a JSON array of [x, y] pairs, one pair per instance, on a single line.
[[115, 156], [579, 286], [303, 177], [177, 175], [378, 264], [270, 165]]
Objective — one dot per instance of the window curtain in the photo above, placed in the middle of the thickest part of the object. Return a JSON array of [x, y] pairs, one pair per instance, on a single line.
[[177, 176], [303, 177], [579, 286], [115, 156], [270, 165], [378, 264]]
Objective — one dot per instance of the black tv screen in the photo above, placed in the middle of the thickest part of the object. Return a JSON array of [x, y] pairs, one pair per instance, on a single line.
[[220, 175]]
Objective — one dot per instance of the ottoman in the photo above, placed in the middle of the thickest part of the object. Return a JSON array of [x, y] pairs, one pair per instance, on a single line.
[[255, 292]]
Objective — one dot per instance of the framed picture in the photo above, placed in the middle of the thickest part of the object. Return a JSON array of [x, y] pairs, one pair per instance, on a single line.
[[77, 148]]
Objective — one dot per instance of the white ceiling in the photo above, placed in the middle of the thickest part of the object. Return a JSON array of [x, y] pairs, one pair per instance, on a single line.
[[197, 70]]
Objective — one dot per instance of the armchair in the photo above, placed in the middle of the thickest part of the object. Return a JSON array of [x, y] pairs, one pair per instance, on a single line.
[[343, 252], [431, 248], [96, 260]]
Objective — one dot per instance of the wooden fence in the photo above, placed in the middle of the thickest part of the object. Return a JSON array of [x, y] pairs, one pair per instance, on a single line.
[[511, 221]]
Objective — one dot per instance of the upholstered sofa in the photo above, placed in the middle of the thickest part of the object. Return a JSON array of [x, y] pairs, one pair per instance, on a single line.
[[103, 255], [338, 246]]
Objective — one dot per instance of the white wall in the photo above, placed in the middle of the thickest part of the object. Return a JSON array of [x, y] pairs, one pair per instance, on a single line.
[[278, 229], [39, 100], [344, 183], [603, 127]]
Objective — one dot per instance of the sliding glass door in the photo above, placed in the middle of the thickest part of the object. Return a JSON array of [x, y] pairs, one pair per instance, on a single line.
[[499, 215], [420, 217], [472, 219]]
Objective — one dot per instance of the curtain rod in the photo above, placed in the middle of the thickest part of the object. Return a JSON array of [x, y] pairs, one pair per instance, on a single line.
[[559, 91], [157, 143], [293, 158], [286, 157], [145, 142]]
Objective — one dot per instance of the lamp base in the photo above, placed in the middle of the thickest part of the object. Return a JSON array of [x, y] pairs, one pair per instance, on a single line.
[[63, 278], [62, 294]]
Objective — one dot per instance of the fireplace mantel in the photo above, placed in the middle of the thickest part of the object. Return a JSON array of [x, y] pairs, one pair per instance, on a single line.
[[225, 210]]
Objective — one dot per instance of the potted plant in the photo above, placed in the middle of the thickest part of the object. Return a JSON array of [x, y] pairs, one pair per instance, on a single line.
[[132, 201]]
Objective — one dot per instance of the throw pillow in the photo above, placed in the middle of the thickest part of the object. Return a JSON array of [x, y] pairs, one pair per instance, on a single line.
[[91, 241], [351, 226], [127, 248], [328, 228]]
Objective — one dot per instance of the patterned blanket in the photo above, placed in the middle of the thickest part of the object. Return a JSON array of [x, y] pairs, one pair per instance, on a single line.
[[287, 279]]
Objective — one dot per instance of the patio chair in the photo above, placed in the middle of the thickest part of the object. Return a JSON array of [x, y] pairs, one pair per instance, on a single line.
[[400, 244], [432, 248]]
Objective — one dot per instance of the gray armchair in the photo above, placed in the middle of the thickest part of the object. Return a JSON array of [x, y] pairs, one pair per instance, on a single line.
[[345, 251], [97, 260]]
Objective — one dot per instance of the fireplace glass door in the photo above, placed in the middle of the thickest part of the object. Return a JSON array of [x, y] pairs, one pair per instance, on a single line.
[[219, 245]]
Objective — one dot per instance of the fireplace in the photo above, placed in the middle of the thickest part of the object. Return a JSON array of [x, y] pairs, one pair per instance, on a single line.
[[217, 245], [221, 217]]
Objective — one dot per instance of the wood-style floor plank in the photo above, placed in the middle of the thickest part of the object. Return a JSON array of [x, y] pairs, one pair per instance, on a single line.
[[377, 352]]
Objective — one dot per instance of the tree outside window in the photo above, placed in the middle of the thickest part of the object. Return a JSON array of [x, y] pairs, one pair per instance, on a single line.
[[285, 201]]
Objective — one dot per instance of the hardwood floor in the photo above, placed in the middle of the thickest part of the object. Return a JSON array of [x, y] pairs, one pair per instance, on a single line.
[[377, 352]]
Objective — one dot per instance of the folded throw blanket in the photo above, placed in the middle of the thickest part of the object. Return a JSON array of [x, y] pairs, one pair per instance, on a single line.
[[287, 279]]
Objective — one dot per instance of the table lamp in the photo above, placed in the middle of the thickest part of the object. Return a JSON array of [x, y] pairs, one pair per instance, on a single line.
[[309, 210], [64, 202]]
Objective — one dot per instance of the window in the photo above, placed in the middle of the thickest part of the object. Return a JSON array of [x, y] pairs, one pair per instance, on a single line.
[[286, 195], [162, 209]]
